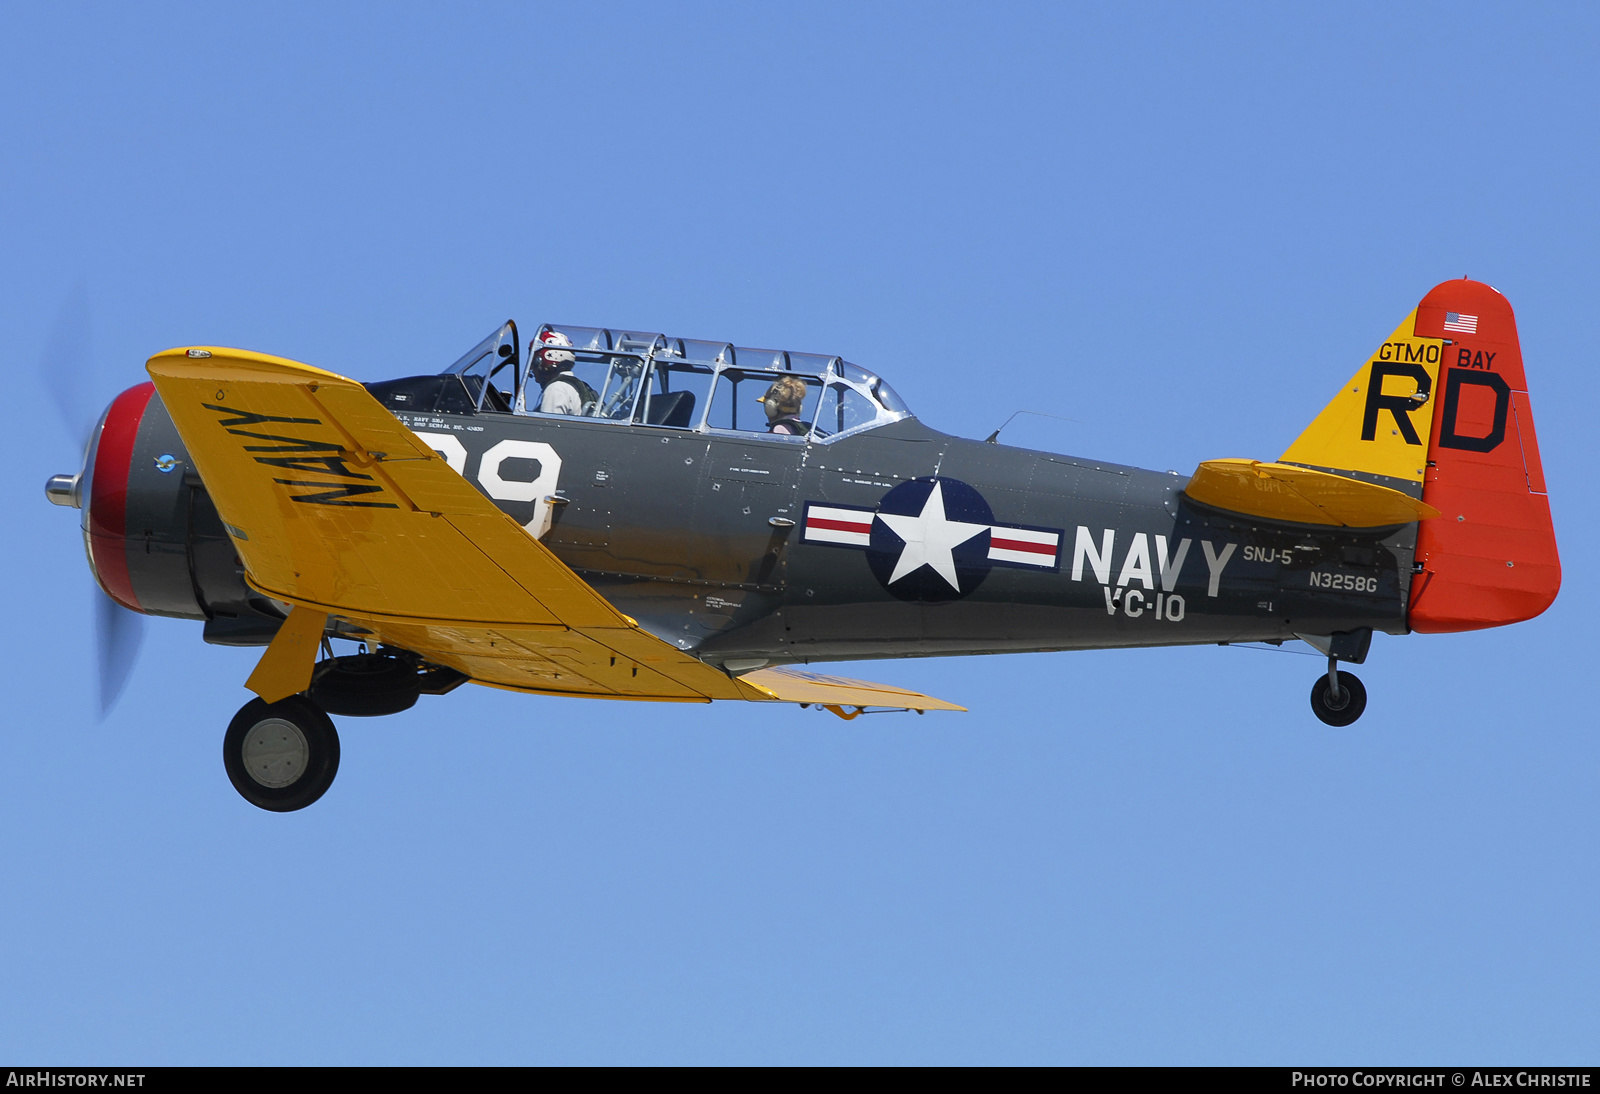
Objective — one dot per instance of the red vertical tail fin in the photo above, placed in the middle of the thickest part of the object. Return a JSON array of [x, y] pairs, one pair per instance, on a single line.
[[1490, 557]]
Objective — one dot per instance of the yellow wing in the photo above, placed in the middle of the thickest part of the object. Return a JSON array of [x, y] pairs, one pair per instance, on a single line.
[[1280, 491], [338, 509]]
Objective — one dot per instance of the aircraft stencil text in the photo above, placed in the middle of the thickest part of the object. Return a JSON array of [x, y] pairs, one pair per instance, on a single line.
[[1143, 566], [330, 493], [1253, 553], [1398, 406], [1322, 579], [1408, 351], [1168, 606]]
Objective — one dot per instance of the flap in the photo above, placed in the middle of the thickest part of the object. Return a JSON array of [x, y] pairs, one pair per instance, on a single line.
[[1280, 491], [799, 686]]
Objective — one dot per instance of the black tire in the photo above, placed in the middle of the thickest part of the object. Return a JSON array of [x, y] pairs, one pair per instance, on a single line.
[[366, 685], [269, 766], [1353, 693]]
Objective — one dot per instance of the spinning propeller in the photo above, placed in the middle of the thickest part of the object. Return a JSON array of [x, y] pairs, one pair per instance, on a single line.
[[65, 371]]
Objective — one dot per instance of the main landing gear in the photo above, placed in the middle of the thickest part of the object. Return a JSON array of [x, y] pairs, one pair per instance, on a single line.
[[283, 756], [366, 685], [1339, 697]]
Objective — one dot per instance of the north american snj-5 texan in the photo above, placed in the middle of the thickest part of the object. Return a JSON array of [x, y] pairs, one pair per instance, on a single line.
[[625, 515]]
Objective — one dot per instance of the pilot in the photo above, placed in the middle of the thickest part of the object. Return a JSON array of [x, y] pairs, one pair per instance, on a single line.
[[564, 393], [783, 401]]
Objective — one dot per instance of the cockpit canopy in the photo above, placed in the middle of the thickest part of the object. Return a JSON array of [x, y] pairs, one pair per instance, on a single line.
[[676, 383]]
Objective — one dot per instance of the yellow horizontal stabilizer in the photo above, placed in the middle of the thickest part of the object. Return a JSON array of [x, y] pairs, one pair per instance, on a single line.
[[335, 506], [798, 686], [1279, 491]]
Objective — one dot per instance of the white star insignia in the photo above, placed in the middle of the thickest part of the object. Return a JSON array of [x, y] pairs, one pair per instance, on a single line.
[[929, 538]]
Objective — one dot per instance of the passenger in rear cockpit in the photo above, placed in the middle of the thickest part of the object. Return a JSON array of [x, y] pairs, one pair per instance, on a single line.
[[564, 393], [783, 401]]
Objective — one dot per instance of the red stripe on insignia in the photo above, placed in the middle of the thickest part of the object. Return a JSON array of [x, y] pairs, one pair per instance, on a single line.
[[1021, 545], [840, 525], [108, 493]]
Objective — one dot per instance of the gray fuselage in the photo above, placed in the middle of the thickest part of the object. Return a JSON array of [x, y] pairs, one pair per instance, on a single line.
[[689, 532]]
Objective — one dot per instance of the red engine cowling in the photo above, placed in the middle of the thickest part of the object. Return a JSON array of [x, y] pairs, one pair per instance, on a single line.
[[154, 540], [105, 516]]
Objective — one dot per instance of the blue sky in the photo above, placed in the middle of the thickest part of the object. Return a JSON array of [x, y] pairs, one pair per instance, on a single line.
[[1181, 227]]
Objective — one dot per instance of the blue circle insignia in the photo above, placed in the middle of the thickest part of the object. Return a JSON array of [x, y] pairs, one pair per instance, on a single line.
[[166, 462], [930, 540]]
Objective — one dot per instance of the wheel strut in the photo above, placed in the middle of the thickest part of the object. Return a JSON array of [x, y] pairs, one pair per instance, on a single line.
[[1338, 698]]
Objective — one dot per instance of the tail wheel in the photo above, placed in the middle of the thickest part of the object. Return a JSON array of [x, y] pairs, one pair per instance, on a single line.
[[1341, 709], [281, 756]]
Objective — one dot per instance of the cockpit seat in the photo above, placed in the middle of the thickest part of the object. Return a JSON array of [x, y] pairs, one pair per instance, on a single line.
[[674, 409]]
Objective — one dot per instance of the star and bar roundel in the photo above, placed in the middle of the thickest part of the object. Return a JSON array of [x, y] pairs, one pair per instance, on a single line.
[[932, 538]]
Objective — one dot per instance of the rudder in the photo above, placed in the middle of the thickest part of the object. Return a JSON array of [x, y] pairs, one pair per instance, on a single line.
[[1490, 558]]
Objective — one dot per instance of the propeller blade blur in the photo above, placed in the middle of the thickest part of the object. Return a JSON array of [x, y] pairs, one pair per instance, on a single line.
[[117, 633], [65, 367]]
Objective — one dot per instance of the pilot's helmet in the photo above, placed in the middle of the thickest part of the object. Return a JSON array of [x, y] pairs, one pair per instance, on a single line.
[[785, 397], [554, 358]]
